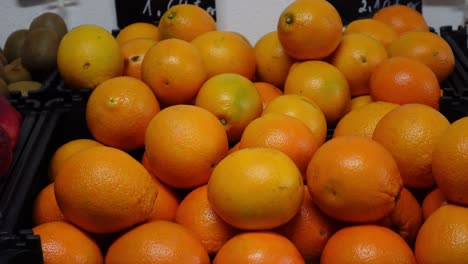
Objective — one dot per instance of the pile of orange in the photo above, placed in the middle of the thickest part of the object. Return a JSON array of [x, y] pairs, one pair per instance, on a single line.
[[232, 156]]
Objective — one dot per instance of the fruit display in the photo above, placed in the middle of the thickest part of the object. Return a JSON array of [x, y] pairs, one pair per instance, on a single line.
[[185, 143]]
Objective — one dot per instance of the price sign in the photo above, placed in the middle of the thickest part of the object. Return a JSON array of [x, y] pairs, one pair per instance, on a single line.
[[351, 10], [131, 11]]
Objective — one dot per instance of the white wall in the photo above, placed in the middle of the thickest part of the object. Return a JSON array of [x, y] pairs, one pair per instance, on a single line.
[[253, 18]]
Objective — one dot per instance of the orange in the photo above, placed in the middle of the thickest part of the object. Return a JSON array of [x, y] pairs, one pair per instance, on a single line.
[[159, 241], [174, 70], [185, 21], [134, 52], [138, 30], [354, 179], [406, 218], [356, 57], [410, 133], [182, 139], [403, 80], [233, 99], [362, 121], [302, 108], [145, 162], [450, 162], [358, 101], [432, 201], [65, 151], [267, 92], [373, 28], [270, 174], [98, 185], [442, 237], [273, 62], [62, 242], [309, 230], [428, 48], [119, 110], [166, 203], [196, 213], [402, 18], [284, 133], [88, 55], [226, 52], [258, 248], [45, 208], [303, 21], [322, 83], [367, 244]]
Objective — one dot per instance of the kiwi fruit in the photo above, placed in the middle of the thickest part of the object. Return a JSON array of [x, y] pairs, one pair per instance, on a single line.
[[51, 21], [14, 44], [2, 71], [24, 87], [4, 88], [39, 53], [3, 59], [15, 72]]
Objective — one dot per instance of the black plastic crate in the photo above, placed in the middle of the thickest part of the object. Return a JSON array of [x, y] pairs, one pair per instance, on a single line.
[[458, 41], [21, 247], [13, 180]]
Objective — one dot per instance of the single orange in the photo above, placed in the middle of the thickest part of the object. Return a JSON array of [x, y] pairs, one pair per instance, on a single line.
[[284, 133], [267, 92], [428, 48], [358, 101], [402, 18], [166, 203], [258, 248], [62, 242], [362, 121], [432, 201], [354, 179], [226, 52], [270, 174], [273, 62], [373, 28], [310, 229], [65, 151], [119, 110], [442, 237], [45, 208], [182, 139], [233, 99], [88, 55], [174, 70], [305, 20], [356, 57], [138, 30], [367, 244], [157, 242], [406, 218], [185, 21], [450, 162], [410, 133], [134, 52], [302, 108], [322, 83], [196, 214], [98, 185], [403, 80]]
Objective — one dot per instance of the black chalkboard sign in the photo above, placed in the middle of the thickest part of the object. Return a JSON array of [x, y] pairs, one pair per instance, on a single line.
[[131, 11], [351, 10]]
